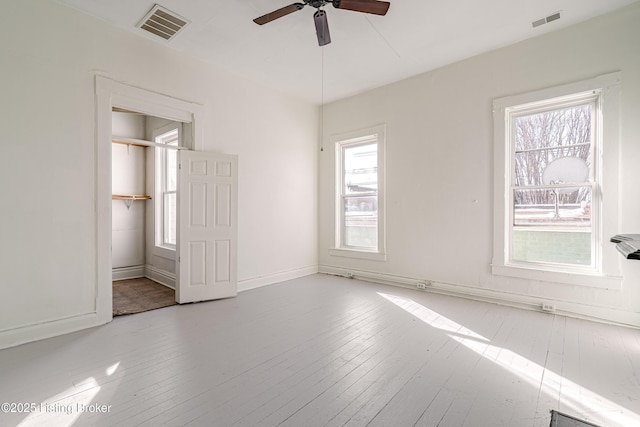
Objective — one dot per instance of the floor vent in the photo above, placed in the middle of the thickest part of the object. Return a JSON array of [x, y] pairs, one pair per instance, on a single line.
[[558, 419], [546, 20], [162, 22]]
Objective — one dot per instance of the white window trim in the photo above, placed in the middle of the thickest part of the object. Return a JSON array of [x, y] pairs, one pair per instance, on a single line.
[[379, 253], [160, 249], [606, 273], [593, 97]]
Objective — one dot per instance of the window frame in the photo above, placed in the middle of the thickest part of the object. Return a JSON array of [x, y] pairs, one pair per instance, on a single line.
[[604, 271], [512, 113], [161, 247], [362, 137]]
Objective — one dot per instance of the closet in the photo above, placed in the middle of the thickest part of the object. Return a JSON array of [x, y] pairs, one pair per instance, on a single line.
[[144, 196]]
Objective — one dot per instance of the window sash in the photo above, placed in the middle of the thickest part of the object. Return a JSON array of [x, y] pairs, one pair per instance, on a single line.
[[530, 150], [169, 218], [166, 177], [366, 215], [512, 113], [344, 196]]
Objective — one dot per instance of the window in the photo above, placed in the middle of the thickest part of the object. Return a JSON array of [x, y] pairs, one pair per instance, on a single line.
[[166, 181], [360, 194], [551, 146], [553, 181]]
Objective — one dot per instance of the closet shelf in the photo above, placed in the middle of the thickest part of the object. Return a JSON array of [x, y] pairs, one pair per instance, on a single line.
[[129, 143], [129, 197], [143, 143]]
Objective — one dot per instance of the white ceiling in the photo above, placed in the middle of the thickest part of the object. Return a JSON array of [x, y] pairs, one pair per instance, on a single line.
[[367, 51]]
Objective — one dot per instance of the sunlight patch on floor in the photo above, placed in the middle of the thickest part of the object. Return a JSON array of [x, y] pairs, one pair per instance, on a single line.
[[577, 398], [430, 317], [574, 396], [64, 409], [111, 369]]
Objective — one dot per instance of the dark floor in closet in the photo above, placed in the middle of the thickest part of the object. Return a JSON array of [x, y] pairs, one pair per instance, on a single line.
[[138, 295]]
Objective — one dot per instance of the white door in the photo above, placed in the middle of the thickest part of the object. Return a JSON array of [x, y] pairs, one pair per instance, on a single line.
[[207, 229]]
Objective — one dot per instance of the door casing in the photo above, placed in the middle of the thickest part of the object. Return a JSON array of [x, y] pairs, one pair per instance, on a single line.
[[109, 94]]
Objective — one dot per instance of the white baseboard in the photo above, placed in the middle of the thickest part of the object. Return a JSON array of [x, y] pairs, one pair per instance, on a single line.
[[564, 308], [169, 279], [124, 273], [256, 282], [157, 275], [48, 329], [44, 330], [161, 276]]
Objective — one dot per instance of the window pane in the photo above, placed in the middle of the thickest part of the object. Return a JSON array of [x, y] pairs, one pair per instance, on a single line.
[[361, 221], [554, 233], [561, 247], [544, 137], [361, 169], [172, 163], [539, 207], [169, 219]]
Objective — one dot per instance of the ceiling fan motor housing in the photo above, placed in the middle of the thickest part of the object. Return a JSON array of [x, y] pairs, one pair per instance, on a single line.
[[316, 3]]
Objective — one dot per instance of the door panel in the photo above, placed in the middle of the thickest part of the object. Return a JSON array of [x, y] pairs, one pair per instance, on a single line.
[[198, 207], [207, 229], [223, 204], [197, 258], [223, 261]]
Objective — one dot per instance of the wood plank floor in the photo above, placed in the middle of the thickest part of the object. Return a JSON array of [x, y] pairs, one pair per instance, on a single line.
[[132, 296], [328, 351]]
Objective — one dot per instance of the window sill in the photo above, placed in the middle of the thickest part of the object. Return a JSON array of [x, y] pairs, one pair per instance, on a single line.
[[164, 252], [352, 253], [592, 280]]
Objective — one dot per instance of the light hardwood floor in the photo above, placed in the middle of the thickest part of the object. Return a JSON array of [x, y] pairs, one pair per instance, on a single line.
[[325, 350]]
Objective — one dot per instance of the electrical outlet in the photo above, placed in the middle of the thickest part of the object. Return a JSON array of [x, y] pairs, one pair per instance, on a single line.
[[548, 307], [424, 284]]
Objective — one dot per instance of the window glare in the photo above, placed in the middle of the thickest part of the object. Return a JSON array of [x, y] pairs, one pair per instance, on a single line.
[[172, 169], [167, 177], [361, 169], [169, 223]]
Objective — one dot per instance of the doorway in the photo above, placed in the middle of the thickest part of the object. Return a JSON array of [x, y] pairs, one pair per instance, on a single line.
[[206, 198], [144, 210]]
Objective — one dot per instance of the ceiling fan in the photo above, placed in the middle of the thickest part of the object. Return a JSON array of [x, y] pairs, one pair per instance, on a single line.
[[375, 7]]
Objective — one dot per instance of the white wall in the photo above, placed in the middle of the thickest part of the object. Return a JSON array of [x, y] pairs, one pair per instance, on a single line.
[[50, 55], [128, 177], [439, 165]]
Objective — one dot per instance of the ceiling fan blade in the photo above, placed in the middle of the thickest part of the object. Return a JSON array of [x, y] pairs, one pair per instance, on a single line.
[[375, 7], [322, 27], [278, 13]]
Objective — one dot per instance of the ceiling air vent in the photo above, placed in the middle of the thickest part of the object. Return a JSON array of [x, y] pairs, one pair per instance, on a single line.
[[546, 20], [162, 22]]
